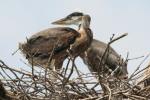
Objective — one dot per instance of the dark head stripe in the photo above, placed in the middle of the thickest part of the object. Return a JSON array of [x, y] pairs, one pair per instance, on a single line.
[[75, 14]]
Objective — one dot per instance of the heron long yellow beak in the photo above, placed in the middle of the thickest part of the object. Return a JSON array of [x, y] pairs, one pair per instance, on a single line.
[[63, 21]]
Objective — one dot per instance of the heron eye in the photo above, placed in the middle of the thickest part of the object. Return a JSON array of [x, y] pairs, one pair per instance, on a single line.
[[68, 17]]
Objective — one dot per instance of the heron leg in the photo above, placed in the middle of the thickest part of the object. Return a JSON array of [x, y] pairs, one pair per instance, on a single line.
[[52, 65], [69, 52]]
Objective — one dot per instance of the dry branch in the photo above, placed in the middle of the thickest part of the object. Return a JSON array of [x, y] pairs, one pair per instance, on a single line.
[[39, 83]]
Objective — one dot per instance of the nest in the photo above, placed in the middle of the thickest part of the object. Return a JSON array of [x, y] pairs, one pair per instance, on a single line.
[[41, 83]]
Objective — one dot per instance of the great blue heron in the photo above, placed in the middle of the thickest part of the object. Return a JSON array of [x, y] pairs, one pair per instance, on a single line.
[[94, 54], [112, 59], [56, 42]]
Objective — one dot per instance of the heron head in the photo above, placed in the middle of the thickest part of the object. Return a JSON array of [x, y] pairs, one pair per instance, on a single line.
[[72, 19], [122, 72]]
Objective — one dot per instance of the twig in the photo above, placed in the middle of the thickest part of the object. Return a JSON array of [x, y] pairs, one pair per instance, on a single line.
[[135, 72]]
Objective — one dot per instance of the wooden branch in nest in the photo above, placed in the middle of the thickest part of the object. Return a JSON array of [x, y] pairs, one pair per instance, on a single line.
[[37, 84]]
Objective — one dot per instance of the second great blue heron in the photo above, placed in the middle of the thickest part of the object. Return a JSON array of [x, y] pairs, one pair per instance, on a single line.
[[112, 60], [54, 42]]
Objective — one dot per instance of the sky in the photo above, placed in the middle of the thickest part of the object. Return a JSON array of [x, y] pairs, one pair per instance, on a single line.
[[22, 18]]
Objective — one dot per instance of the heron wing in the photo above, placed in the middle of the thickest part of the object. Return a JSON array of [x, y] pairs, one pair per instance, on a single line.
[[53, 39]]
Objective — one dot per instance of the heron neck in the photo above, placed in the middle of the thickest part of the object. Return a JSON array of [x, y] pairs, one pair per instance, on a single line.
[[85, 31], [85, 24]]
